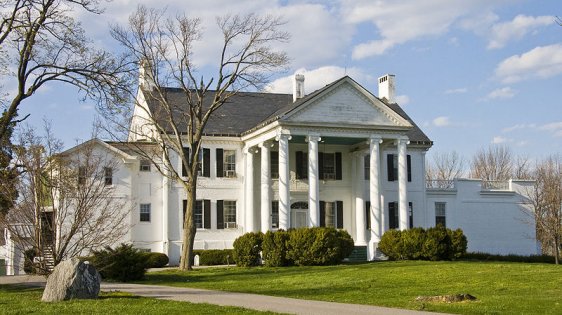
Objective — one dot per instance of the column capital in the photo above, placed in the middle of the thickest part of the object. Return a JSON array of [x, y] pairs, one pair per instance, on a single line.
[[313, 138], [249, 150], [375, 139], [266, 144], [404, 140], [283, 136]]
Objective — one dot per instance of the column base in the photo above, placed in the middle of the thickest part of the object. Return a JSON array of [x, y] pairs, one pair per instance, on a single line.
[[373, 252]]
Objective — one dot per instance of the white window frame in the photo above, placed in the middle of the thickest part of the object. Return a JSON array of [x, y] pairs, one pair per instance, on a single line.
[[329, 175], [229, 164], [441, 212], [229, 214], [330, 214], [144, 165], [145, 208], [199, 212], [107, 176]]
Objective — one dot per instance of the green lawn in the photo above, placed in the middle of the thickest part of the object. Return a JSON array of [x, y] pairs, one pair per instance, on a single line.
[[22, 300], [501, 288]]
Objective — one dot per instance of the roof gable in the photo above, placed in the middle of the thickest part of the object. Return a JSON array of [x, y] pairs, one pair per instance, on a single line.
[[346, 103]]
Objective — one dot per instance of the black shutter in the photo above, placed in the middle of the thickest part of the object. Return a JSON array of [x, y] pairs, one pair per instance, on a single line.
[[274, 164], [220, 214], [320, 165], [184, 210], [368, 214], [186, 153], [338, 165], [339, 214], [367, 168], [411, 214], [392, 222], [207, 214], [409, 164], [299, 165], [390, 167], [322, 213], [206, 162], [220, 169]]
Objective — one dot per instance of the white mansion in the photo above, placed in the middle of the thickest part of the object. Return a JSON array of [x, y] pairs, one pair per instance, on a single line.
[[339, 157]]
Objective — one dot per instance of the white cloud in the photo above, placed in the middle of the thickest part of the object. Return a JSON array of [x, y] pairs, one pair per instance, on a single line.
[[540, 62], [456, 91], [519, 127], [555, 128], [442, 121], [499, 140], [501, 93], [318, 78], [502, 33], [400, 21]]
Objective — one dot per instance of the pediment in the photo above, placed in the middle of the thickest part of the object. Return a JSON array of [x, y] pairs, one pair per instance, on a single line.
[[346, 104]]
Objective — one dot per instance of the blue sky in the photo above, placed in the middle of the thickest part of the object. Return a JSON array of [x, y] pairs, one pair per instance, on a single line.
[[470, 73]]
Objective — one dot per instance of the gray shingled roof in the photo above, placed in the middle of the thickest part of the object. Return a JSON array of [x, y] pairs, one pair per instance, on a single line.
[[247, 111]]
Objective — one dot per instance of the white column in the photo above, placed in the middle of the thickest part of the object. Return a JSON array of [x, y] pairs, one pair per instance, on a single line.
[[313, 186], [360, 218], [402, 184], [284, 192], [165, 206], [265, 187], [249, 190], [374, 189]]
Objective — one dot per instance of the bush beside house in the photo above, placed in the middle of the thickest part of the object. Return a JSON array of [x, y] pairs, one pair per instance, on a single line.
[[213, 257], [436, 243], [123, 263]]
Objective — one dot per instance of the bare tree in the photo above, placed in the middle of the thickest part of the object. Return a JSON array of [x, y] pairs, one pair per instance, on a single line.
[[546, 199], [67, 207], [164, 48], [40, 42], [444, 168], [494, 163]]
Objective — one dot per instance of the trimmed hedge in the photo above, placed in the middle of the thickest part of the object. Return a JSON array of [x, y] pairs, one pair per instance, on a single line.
[[123, 263], [155, 260], [247, 249], [302, 247], [436, 243], [213, 257]]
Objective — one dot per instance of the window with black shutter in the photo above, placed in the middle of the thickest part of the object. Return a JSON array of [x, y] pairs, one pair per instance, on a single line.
[[322, 213], [330, 166], [274, 164], [301, 167], [220, 214], [392, 167], [219, 158], [393, 215]]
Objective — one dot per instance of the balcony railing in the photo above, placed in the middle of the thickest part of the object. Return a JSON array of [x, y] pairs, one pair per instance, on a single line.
[[440, 184]]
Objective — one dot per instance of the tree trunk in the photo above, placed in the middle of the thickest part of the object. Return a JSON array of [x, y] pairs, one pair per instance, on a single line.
[[189, 230]]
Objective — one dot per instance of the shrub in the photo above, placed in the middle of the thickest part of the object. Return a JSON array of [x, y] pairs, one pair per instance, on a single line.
[[437, 245], [412, 243], [155, 260], [318, 246], [391, 244], [274, 248], [247, 249], [123, 263], [459, 243], [213, 257]]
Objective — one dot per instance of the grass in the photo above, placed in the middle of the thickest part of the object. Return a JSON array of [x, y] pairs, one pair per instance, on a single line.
[[24, 300], [501, 287]]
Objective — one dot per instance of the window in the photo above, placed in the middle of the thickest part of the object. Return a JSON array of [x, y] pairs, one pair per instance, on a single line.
[[368, 215], [226, 163], [145, 212], [301, 165], [440, 213], [144, 165], [229, 214], [393, 215], [186, 154], [394, 218], [392, 167], [331, 214], [204, 162], [226, 214], [81, 175], [274, 164], [201, 213], [329, 166], [108, 176], [275, 214]]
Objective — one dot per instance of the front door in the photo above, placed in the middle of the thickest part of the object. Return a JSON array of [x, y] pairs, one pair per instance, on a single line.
[[299, 215]]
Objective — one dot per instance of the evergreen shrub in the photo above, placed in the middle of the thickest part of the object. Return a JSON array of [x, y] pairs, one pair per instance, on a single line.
[[247, 249], [155, 260], [123, 263], [274, 248]]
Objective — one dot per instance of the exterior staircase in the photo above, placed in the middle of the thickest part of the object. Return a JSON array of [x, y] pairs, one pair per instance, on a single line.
[[359, 254]]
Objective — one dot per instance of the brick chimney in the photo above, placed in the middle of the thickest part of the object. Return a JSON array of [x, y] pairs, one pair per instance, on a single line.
[[298, 87], [386, 88]]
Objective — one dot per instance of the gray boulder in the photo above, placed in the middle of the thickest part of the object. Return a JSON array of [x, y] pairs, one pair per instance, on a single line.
[[72, 279]]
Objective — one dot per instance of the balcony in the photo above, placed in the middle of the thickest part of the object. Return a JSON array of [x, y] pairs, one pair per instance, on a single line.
[[495, 185]]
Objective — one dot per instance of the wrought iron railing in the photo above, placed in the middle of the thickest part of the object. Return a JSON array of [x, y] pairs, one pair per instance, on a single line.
[[440, 184]]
